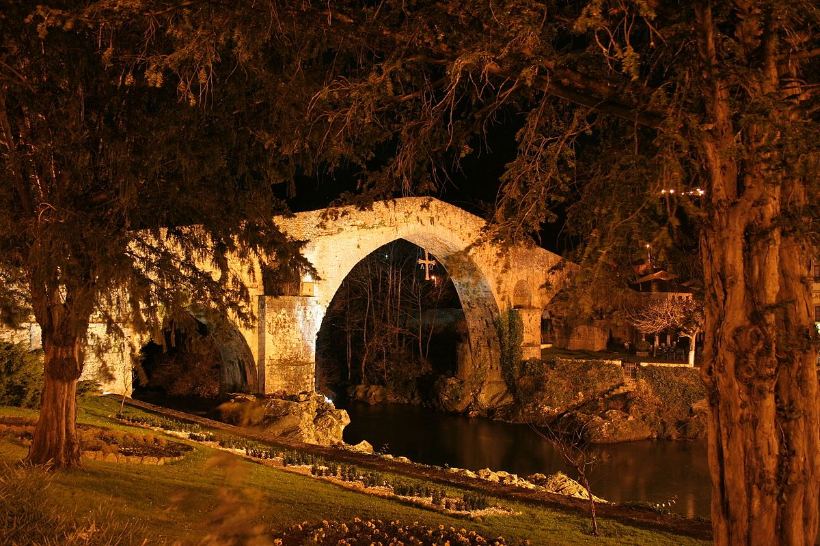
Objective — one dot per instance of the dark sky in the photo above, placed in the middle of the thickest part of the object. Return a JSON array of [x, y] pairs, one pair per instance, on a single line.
[[474, 187]]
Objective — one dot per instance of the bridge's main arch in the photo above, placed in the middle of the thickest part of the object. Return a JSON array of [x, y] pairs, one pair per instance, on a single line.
[[338, 239]]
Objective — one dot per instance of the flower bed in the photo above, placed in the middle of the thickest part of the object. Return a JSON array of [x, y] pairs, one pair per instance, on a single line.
[[359, 532], [107, 444]]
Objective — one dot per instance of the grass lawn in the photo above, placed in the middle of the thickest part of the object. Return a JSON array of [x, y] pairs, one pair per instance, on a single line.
[[212, 497], [583, 354]]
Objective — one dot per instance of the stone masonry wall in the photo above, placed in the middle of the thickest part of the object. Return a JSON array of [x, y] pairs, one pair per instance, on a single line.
[[291, 325]]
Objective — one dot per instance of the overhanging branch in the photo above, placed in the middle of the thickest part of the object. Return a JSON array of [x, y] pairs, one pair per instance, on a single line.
[[628, 113]]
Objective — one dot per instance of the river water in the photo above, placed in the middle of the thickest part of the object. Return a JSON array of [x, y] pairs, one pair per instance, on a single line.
[[649, 471]]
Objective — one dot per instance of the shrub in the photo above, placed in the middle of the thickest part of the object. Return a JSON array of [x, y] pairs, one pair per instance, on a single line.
[[201, 436], [556, 382], [668, 396], [88, 386], [128, 443], [158, 422], [681, 386], [475, 501], [21, 376]]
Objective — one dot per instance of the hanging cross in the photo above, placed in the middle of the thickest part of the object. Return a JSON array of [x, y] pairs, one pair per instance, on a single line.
[[427, 264]]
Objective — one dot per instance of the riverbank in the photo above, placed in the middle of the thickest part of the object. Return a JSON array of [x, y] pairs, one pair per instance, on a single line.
[[607, 402], [602, 399], [226, 498], [657, 472]]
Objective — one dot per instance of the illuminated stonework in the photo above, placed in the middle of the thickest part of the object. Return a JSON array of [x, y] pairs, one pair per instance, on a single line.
[[489, 280]]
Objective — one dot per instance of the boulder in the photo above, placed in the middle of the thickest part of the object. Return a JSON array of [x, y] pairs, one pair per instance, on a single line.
[[492, 396], [463, 472], [370, 394], [489, 475], [362, 447], [306, 417], [614, 426], [561, 484], [328, 426]]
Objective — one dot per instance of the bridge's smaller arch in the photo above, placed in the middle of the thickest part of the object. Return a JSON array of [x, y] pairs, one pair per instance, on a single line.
[[522, 295], [199, 353]]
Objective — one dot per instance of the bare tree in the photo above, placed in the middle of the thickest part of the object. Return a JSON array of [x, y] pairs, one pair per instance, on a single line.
[[572, 444], [383, 307], [680, 313]]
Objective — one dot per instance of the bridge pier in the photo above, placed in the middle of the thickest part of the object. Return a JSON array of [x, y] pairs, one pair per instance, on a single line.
[[531, 339], [287, 352]]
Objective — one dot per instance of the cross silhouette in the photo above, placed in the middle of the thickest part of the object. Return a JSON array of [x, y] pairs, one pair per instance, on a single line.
[[427, 264]]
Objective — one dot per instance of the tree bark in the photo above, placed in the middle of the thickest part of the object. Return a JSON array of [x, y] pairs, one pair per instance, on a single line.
[[63, 314], [761, 377], [760, 349], [55, 440]]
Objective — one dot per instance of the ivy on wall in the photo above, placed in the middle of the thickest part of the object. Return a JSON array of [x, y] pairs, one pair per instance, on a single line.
[[510, 330]]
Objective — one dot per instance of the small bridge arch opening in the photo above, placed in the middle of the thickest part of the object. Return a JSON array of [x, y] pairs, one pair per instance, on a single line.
[[198, 354], [522, 295]]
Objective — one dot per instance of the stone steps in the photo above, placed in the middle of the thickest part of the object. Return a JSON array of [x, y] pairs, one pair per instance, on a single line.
[[629, 385]]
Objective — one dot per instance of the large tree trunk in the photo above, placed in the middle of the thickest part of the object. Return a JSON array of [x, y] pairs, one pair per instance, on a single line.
[[63, 315], [55, 439], [759, 355], [761, 376]]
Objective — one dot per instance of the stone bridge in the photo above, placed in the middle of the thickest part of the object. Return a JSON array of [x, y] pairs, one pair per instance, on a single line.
[[280, 348]]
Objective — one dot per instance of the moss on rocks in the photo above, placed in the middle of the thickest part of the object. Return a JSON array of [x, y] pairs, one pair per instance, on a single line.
[[609, 404]]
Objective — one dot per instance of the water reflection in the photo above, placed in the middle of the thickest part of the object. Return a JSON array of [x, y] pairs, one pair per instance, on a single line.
[[651, 471]]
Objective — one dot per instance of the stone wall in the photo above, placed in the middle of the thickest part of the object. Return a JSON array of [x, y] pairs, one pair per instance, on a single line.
[[107, 359], [589, 337]]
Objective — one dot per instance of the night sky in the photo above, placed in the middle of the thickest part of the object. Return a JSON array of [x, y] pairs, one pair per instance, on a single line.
[[473, 186]]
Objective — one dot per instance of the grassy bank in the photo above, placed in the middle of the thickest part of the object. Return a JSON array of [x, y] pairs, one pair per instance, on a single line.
[[213, 497]]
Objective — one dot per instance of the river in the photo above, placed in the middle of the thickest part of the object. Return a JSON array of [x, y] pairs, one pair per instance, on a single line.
[[649, 471]]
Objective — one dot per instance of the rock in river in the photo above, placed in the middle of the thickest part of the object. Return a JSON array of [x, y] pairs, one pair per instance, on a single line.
[[306, 417]]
